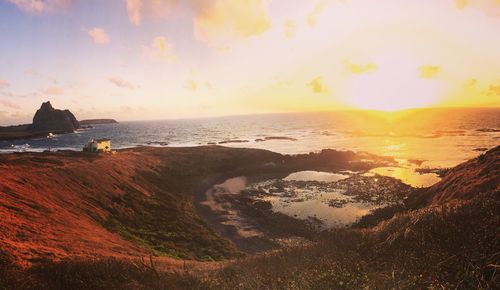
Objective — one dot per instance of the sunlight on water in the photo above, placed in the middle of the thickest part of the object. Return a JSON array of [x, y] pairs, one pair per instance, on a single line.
[[408, 176], [315, 176], [317, 209], [313, 205], [327, 204], [440, 138]]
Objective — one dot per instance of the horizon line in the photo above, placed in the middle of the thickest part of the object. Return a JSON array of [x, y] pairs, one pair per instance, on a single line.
[[315, 112]]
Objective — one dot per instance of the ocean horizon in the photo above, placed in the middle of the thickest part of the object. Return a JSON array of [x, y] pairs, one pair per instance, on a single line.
[[419, 134]]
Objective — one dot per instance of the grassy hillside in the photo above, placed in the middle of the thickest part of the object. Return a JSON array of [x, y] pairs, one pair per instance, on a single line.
[[442, 247], [134, 203], [450, 243]]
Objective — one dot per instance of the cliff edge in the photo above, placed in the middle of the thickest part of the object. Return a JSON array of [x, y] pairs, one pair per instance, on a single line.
[[480, 175]]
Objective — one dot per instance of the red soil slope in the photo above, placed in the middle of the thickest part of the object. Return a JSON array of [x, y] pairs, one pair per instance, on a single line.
[[50, 205], [72, 204]]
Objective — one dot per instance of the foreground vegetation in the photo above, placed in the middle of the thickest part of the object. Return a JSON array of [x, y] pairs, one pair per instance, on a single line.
[[441, 247]]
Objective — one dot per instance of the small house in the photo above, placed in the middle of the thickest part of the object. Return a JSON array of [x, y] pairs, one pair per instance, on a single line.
[[99, 145]]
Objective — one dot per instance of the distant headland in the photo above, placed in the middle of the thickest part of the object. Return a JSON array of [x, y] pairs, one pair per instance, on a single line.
[[97, 122], [48, 120]]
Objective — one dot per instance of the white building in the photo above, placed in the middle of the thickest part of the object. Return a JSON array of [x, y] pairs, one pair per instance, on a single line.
[[99, 145]]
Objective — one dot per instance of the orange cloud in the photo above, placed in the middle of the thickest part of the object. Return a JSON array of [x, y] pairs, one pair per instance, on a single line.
[[160, 49], [318, 85], [119, 82], [134, 10], [98, 35], [361, 68], [228, 18], [137, 10], [289, 28], [3, 84], [429, 71], [54, 91], [461, 3], [211, 18], [313, 15], [493, 90], [41, 6], [489, 7], [9, 104], [192, 85], [471, 83]]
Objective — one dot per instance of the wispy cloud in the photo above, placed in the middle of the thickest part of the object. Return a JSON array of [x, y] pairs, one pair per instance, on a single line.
[[361, 68], [194, 85], [212, 19], [41, 6], [119, 82], [160, 49], [318, 85], [489, 7], [137, 10], [313, 15], [98, 35], [494, 90], [39, 75], [461, 3], [54, 91], [471, 83], [215, 19], [289, 28], [9, 104], [429, 71], [3, 84], [134, 10]]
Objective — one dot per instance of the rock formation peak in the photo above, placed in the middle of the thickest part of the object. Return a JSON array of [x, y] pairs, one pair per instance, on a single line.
[[47, 118]]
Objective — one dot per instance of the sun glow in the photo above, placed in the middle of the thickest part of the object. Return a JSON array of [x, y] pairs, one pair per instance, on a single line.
[[397, 84], [176, 59]]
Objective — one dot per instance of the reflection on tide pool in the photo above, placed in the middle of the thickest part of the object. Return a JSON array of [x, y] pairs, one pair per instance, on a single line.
[[317, 208], [330, 200], [408, 176], [310, 175]]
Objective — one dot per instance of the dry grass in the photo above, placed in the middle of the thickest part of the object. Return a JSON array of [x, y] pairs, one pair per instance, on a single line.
[[449, 245], [445, 247], [454, 246]]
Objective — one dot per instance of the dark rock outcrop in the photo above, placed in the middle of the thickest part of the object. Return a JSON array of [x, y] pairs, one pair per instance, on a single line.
[[49, 119]]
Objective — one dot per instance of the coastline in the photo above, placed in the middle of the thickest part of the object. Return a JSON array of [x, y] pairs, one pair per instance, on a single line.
[[21, 132]]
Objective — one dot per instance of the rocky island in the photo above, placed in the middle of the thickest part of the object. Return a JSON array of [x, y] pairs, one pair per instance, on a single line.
[[47, 120]]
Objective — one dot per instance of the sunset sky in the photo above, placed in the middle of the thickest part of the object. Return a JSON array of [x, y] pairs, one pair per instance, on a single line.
[[157, 59]]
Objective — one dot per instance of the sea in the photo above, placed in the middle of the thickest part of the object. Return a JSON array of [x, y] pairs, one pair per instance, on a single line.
[[428, 138]]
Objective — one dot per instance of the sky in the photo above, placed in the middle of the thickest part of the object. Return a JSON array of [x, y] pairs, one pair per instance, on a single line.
[[159, 59]]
